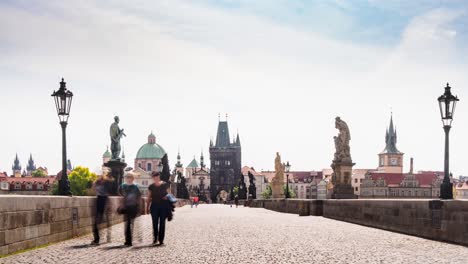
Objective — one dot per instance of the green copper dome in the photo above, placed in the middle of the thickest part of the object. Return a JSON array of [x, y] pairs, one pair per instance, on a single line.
[[151, 150], [107, 154], [193, 164]]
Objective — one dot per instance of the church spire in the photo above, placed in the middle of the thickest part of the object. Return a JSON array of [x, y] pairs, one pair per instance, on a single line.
[[16, 165], [178, 164], [391, 138], [202, 160], [31, 166]]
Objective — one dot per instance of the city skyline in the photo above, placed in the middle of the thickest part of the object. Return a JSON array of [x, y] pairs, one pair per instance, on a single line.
[[282, 71]]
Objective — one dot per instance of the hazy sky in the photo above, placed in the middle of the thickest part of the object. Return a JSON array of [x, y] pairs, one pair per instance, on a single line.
[[282, 70]]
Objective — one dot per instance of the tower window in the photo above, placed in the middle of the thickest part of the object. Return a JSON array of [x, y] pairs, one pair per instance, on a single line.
[[148, 166]]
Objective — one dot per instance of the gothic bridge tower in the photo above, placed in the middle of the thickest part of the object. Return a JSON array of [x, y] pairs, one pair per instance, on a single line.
[[226, 161]]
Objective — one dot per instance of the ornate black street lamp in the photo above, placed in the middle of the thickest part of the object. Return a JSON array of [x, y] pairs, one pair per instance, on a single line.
[[447, 103], [160, 167], [287, 167], [63, 100]]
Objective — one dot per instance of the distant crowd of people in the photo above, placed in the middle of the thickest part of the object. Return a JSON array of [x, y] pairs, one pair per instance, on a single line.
[[160, 203]]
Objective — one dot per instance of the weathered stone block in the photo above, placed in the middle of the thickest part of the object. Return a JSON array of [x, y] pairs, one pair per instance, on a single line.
[[2, 238], [40, 241], [3, 250], [43, 230], [15, 235], [62, 226], [31, 232]]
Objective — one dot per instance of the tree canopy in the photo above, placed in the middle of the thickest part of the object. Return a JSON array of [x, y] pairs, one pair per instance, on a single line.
[[81, 180]]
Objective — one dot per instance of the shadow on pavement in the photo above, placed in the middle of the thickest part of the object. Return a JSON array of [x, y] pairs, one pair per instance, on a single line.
[[144, 246], [114, 247]]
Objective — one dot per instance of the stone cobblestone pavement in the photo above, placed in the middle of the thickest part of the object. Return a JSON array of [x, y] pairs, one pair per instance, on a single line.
[[220, 234]]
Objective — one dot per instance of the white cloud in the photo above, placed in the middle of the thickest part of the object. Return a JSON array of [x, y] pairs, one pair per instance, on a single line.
[[172, 66]]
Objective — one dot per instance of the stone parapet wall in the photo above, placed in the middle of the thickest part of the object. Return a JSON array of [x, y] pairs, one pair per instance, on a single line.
[[302, 207], [432, 219], [32, 221], [28, 221]]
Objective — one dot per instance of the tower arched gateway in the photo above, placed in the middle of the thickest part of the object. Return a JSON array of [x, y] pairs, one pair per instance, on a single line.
[[226, 162]]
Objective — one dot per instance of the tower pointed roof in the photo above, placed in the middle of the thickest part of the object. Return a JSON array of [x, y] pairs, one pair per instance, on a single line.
[[16, 164], [391, 139], [238, 140], [31, 166], [222, 137]]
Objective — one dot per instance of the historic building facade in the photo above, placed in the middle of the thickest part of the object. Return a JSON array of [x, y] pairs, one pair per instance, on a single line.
[[304, 183], [400, 185], [226, 161]]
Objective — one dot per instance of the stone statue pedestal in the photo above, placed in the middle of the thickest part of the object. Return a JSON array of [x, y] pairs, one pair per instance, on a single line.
[[342, 172], [117, 171], [277, 190]]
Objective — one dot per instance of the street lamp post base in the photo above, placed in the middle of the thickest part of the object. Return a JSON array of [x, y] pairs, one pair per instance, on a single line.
[[446, 191]]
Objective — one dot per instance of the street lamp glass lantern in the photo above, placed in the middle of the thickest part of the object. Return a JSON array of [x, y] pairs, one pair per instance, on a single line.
[[63, 99], [287, 166], [447, 103], [160, 167]]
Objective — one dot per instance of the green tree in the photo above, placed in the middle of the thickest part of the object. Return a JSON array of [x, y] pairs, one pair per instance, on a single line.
[[292, 194], [266, 194], [81, 180], [38, 173], [235, 190]]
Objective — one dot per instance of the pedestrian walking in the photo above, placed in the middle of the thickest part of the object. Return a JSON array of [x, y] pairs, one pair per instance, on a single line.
[[158, 206], [195, 201], [236, 200], [130, 206], [102, 188]]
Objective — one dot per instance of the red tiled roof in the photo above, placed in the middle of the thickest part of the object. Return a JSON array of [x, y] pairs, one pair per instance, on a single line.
[[462, 186], [3, 174], [30, 179], [245, 171], [303, 175]]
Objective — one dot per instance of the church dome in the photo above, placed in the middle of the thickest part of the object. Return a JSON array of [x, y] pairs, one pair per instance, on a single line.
[[107, 154], [151, 150]]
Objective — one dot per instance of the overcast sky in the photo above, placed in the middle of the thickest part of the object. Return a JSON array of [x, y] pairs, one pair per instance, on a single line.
[[282, 70]]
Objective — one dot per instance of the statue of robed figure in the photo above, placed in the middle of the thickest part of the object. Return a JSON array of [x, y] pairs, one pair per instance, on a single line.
[[116, 134]]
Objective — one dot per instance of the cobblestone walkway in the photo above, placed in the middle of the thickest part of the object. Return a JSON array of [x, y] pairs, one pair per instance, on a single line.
[[220, 234]]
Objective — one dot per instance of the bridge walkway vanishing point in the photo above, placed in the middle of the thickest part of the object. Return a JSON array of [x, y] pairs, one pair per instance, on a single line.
[[221, 234]]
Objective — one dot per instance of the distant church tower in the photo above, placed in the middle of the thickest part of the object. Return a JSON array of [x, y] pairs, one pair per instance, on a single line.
[[179, 167], [16, 167], [226, 161], [31, 166], [391, 159]]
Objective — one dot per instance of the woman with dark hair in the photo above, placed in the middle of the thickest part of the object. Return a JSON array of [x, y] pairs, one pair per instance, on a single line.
[[158, 206]]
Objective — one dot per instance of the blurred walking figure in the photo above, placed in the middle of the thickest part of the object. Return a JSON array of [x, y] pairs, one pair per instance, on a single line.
[[195, 201], [158, 206], [102, 188], [130, 205], [236, 200]]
